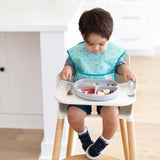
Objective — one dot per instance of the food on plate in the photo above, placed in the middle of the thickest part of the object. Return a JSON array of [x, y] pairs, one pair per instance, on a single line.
[[86, 83], [95, 84], [87, 91], [110, 85], [103, 92]]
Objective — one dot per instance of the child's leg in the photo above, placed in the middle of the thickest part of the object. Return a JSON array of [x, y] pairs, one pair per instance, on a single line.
[[110, 117], [76, 118]]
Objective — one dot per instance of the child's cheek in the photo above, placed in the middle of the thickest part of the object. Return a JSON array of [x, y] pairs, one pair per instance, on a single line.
[[89, 48]]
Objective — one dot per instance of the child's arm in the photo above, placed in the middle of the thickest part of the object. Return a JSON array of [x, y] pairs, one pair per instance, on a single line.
[[127, 72], [68, 70], [66, 73]]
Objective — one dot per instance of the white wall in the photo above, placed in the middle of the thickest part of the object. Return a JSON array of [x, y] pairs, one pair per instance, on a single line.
[[156, 22], [20, 83]]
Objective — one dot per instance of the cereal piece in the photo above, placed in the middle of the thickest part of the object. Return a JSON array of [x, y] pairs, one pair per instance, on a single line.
[[87, 83]]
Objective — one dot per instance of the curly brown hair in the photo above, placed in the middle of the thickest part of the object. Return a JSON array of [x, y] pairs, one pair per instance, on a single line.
[[97, 21]]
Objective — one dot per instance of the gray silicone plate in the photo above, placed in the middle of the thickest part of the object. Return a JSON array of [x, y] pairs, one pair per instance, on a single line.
[[100, 84]]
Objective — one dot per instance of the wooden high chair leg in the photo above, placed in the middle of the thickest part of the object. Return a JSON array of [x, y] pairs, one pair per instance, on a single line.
[[58, 139], [123, 128], [131, 140], [70, 141]]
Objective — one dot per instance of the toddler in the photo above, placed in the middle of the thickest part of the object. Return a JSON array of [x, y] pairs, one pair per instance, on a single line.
[[95, 58]]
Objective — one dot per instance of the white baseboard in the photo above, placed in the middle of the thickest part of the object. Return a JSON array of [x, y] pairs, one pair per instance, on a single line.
[[47, 151], [26, 121]]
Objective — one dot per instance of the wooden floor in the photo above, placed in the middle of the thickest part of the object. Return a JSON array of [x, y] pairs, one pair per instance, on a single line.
[[18, 144]]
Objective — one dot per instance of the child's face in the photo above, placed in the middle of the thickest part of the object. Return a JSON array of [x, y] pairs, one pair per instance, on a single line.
[[95, 43]]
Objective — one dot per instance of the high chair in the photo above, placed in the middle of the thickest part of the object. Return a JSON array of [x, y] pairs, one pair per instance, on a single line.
[[125, 117]]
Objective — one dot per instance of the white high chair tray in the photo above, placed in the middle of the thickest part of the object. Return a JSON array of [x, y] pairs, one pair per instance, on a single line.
[[122, 99]]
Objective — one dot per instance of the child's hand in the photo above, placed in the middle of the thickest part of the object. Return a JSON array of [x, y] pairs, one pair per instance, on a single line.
[[66, 73], [128, 73]]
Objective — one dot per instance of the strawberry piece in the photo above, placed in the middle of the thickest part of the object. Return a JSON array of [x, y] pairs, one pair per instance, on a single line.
[[83, 90], [91, 91]]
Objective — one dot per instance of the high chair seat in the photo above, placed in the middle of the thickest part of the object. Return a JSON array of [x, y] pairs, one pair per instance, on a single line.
[[83, 157]]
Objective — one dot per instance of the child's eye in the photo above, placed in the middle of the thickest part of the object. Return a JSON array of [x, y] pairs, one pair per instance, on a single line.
[[89, 44], [102, 44]]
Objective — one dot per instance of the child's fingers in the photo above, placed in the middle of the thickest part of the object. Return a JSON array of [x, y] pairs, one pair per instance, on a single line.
[[132, 77], [66, 73], [70, 76], [67, 76], [64, 76]]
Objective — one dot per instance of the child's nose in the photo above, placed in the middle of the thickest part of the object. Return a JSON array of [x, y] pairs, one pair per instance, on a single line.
[[96, 49]]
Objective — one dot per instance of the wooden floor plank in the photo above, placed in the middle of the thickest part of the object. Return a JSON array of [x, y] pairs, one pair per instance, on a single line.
[[20, 144]]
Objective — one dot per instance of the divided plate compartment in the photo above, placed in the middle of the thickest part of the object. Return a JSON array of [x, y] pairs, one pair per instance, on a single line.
[[97, 85]]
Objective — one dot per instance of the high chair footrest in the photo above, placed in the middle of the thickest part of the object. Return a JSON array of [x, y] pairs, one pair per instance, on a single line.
[[84, 157]]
